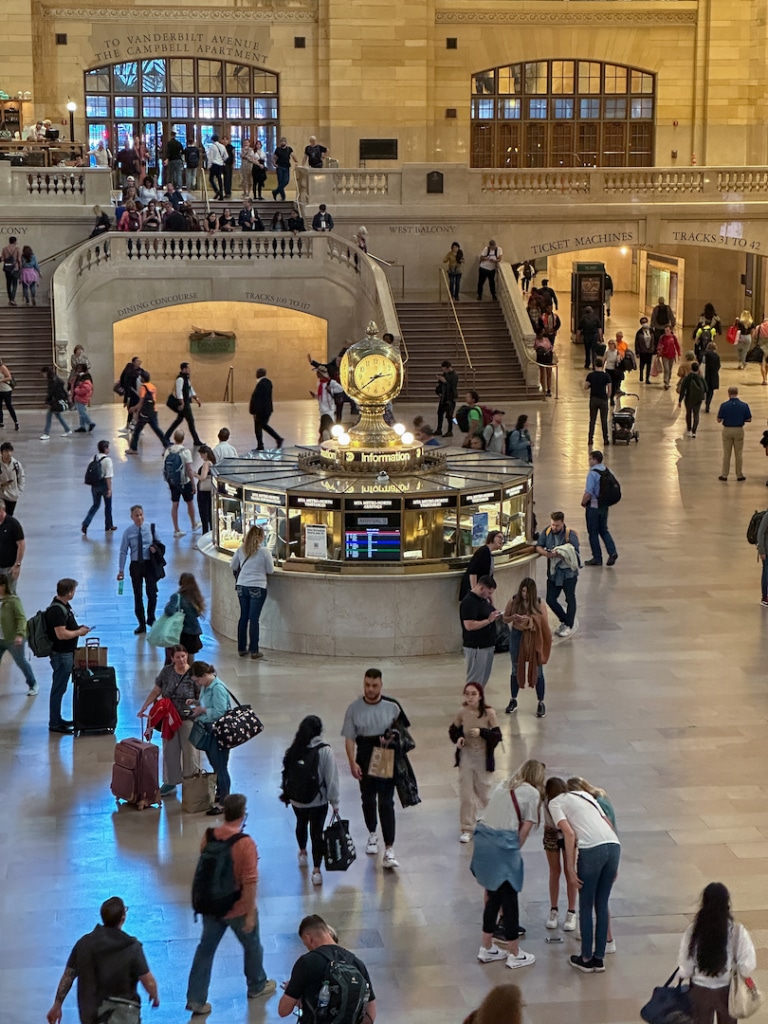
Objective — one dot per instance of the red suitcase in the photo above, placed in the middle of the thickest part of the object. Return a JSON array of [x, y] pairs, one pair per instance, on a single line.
[[135, 776]]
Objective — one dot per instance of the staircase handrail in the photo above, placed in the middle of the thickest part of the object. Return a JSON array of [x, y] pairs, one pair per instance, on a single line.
[[62, 252], [519, 324], [458, 325]]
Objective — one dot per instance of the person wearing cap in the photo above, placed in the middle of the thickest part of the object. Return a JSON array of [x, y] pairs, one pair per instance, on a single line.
[[645, 348], [495, 434]]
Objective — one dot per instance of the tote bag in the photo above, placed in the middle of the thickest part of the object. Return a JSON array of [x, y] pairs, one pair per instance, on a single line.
[[166, 631], [338, 848], [236, 726], [198, 792], [744, 997], [667, 1003]]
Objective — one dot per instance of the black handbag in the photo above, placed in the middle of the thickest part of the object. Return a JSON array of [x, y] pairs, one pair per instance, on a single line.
[[755, 355], [236, 726], [174, 404], [668, 1004], [338, 847]]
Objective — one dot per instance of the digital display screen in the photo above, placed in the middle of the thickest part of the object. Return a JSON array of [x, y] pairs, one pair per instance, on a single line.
[[372, 538]]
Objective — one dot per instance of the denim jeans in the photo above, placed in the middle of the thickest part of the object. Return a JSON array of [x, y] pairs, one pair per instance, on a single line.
[[597, 869], [554, 591], [153, 425], [12, 283], [48, 417], [61, 663], [82, 412], [96, 497], [251, 602], [219, 758], [454, 285], [17, 653], [515, 636], [597, 527], [213, 932], [283, 179]]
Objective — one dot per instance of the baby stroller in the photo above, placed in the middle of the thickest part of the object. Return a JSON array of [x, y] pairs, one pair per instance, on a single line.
[[623, 419]]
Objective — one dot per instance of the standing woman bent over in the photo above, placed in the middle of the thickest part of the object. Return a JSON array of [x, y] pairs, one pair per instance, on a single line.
[[214, 702], [476, 734], [251, 564], [712, 947]]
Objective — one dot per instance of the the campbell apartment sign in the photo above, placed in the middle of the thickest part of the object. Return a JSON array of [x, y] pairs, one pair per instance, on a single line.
[[129, 42]]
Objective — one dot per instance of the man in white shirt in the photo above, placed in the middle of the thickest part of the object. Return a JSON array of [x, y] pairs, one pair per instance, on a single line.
[[490, 258], [216, 157], [224, 450], [179, 475], [101, 489]]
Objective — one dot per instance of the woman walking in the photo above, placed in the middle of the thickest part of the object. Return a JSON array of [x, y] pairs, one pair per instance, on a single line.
[[204, 487], [81, 393], [475, 733], [693, 391], [612, 365], [213, 703], [744, 340], [251, 564], [711, 372], [11, 477], [259, 172], [455, 261], [174, 681], [310, 782], [189, 600], [583, 824], [711, 949], [554, 848], [30, 274], [668, 350], [56, 400], [7, 385], [513, 810], [530, 643], [519, 444], [13, 632]]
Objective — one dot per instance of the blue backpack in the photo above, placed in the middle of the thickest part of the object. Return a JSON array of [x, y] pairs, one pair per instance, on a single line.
[[174, 469]]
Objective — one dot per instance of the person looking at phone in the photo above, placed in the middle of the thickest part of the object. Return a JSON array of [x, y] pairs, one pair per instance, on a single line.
[[478, 627], [64, 633]]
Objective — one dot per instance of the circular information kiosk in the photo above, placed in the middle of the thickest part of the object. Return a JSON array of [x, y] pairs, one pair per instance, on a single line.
[[370, 532]]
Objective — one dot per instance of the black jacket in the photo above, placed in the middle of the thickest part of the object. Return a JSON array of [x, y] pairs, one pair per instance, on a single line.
[[261, 399]]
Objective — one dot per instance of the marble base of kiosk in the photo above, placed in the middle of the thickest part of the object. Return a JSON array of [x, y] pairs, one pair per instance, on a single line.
[[351, 616]]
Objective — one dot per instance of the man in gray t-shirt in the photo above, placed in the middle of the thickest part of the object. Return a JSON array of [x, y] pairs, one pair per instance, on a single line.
[[366, 721]]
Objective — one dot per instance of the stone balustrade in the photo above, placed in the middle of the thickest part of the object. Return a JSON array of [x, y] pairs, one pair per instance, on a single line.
[[59, 186]]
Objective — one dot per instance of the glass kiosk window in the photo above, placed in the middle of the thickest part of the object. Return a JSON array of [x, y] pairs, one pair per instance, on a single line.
[[372, 537]]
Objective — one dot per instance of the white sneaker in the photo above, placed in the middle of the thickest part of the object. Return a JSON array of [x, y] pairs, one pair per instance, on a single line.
[[465, 837], [372, 846], [45, 437], [570, 922], [552, 920], [390, 861], [66, 433], [303, 861], [560, 628], [179, 533], [522, 959], [487, 956], [196, 527], [610, 947], [317, 878], [565, 631]]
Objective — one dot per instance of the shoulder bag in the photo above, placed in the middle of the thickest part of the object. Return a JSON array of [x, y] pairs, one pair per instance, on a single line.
[[744, 997], [236, 726], [667, 1003], [201, 735], [157, 557], [167, 630]]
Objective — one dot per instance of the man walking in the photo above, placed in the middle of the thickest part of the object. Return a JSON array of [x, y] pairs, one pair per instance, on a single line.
[[283, 156], [590, 334], [179, 475], [597, 514], [490, 258], [174, 162], [366, 724], [229, 841], [12, 547], [184, 393], [448, 392], [733, 414], [216, 157], [145, 413], [599, 386], [310, 975], [64, 633], [562, 571], [101, 471], [693, 391], [11, 258], [261, 409], [139, 542], [108, 964], [478, 629], [661, 316]]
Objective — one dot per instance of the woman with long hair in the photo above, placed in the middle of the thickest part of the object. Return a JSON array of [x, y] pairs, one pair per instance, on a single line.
[[711, 949], [530, 643], [519, 440], [174, 681], [554, 848], [251, 564], [56, 400], [576, 784], [502, 1005], [310, 782], [189, 600], [204, 486], [278, 223], [475, 733], [583, 824], [744, 326], [30, 274], [455, 261], [513, 810], [259, 172], [213, 703]]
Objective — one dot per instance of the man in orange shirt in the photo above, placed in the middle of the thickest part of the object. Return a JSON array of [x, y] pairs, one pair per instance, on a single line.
[[242, 917], [145, 413]]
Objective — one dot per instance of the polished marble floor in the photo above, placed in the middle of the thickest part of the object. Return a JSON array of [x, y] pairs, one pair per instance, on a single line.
[[660, 697]]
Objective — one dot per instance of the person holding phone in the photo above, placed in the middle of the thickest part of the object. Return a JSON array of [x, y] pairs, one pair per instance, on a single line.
[[478, 627], [64, 633]]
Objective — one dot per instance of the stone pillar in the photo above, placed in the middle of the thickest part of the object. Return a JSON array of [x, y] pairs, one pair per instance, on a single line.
[[16, 51]]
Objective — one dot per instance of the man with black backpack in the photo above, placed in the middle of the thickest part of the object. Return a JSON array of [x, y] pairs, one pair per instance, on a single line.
[[145, 413], [224, 892], [602, 490], [98, 476], [329, 981]]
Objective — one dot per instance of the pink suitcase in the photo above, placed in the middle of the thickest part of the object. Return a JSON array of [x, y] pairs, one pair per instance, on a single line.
[[135, 776]]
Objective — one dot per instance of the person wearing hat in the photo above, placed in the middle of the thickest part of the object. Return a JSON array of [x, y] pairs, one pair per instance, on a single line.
[[495, 434], [645, 348]]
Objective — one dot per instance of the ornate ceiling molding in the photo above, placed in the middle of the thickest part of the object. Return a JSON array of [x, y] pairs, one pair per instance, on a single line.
[[305, 11], [587, 18]]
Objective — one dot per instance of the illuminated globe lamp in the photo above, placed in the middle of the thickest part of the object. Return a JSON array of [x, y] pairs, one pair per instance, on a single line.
[[371, 373]]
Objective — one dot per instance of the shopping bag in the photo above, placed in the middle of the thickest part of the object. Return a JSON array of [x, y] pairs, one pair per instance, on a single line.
[[668, 1005], [198, 792], [166, 631], [744, 997], [732, 335], [93, 655], [338, 848], [201, 736], [656, 366], [236, 726], [382, 763]]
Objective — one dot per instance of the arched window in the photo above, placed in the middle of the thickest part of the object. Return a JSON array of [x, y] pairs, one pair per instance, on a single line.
[[152, 98], [563, 113]]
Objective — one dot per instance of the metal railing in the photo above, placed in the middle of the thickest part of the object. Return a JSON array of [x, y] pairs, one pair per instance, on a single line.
[[463, 340], [521, 331], [229, 388]]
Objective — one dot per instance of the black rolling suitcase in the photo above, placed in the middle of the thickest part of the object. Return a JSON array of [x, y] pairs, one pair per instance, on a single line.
[[95, 697]]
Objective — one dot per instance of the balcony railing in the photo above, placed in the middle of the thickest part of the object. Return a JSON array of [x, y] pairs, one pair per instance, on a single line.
[[47, 186]]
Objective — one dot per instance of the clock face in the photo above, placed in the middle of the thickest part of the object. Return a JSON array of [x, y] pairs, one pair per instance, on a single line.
[[375, 377]]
